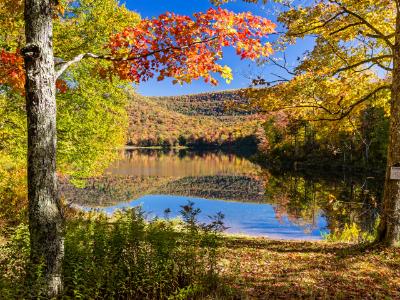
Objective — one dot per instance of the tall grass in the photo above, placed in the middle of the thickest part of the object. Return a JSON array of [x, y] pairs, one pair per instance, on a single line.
[[123, 257]]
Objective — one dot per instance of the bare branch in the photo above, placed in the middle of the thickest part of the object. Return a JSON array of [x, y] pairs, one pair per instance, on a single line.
[[284, 66], [375, 36], [280, 77], [66, 65], [335, 51]]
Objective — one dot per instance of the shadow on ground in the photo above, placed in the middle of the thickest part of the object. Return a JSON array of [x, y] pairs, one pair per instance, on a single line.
[[269, 269]]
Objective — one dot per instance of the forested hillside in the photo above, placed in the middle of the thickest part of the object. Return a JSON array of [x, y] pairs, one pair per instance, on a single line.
[[207, 104], [193, 120]]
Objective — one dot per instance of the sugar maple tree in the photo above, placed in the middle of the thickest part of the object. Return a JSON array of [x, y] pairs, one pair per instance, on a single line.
[[174, 46], [182, 47]]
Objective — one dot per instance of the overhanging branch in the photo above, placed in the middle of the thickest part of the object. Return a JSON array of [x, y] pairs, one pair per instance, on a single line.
[[375, 60], [63, 66], [378, 33], [344, 114], [324, 23], [345, 27], [335, 115]]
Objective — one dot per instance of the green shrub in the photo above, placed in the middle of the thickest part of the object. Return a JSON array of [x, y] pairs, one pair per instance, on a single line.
[[352, 233], [124, 257]]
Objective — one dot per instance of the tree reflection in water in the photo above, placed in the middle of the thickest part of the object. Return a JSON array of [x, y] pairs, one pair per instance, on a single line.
[[299, 198], [346, 200]]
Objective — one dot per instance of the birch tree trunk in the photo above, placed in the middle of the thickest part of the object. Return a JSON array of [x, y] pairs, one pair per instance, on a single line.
[[389, 229], [45, 217]]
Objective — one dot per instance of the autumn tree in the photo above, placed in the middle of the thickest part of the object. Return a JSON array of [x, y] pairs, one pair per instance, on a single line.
[[174, 46], [353, 66], [84, 145]]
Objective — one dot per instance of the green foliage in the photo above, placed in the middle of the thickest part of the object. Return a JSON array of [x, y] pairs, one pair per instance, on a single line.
[[12, 191], [12, 124], [124, 256], [14, 263], [352, 233], [91, 110], [12, 157], [362, 143], [86, 26], [92, 122]]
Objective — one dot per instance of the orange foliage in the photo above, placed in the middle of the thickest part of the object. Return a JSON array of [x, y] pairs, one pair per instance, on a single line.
[[172, 46], [184, 48], [12, 70], [61, 86]]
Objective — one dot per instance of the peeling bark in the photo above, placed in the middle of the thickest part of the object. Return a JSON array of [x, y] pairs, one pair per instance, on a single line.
[[45, 217]]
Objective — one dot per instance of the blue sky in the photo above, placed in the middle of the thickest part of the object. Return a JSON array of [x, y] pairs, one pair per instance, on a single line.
[[242, 69]]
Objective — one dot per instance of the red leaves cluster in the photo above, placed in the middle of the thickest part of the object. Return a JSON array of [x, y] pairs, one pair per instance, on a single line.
[[188, 48], [171, 45], [12, 70], [61, 86]]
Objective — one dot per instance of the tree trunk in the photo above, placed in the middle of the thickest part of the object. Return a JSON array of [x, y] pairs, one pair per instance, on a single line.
[[389, 229], [45, 217]]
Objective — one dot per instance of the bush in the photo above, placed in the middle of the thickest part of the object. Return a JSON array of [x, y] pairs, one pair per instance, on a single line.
[[352, 233], [124, 256]]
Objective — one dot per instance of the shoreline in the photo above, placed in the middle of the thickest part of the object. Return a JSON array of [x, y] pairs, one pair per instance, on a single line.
[[155, 147]]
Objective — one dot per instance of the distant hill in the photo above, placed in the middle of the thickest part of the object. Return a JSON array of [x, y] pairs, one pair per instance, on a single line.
[[190, 120], [206, 104]]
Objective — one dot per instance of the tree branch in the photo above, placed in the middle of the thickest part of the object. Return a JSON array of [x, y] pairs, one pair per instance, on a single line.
[[375, 36], [65, 65], [360, 63], [284, 66], [379, 34], [345, 27], [344, 114], [317, 27]]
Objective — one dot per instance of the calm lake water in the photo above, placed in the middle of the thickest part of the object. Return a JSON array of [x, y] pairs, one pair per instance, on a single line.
[[254, 200]]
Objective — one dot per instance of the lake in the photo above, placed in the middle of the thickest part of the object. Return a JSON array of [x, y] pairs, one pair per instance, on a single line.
[[255, 201]]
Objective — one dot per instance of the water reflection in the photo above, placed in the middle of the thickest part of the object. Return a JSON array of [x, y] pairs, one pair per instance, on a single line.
[[255, 201], [240, 217], [181, 163], [343, 200]]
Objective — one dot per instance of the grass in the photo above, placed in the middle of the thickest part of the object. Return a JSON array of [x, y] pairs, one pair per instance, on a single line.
[[122, 257], [131, 259], [3, 240], [259, 268]]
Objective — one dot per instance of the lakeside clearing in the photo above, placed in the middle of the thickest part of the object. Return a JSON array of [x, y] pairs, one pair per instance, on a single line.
[[252, 267], [261, 268]]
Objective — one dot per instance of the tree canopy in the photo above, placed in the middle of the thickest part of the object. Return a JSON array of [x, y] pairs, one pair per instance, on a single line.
[[349, 66]]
